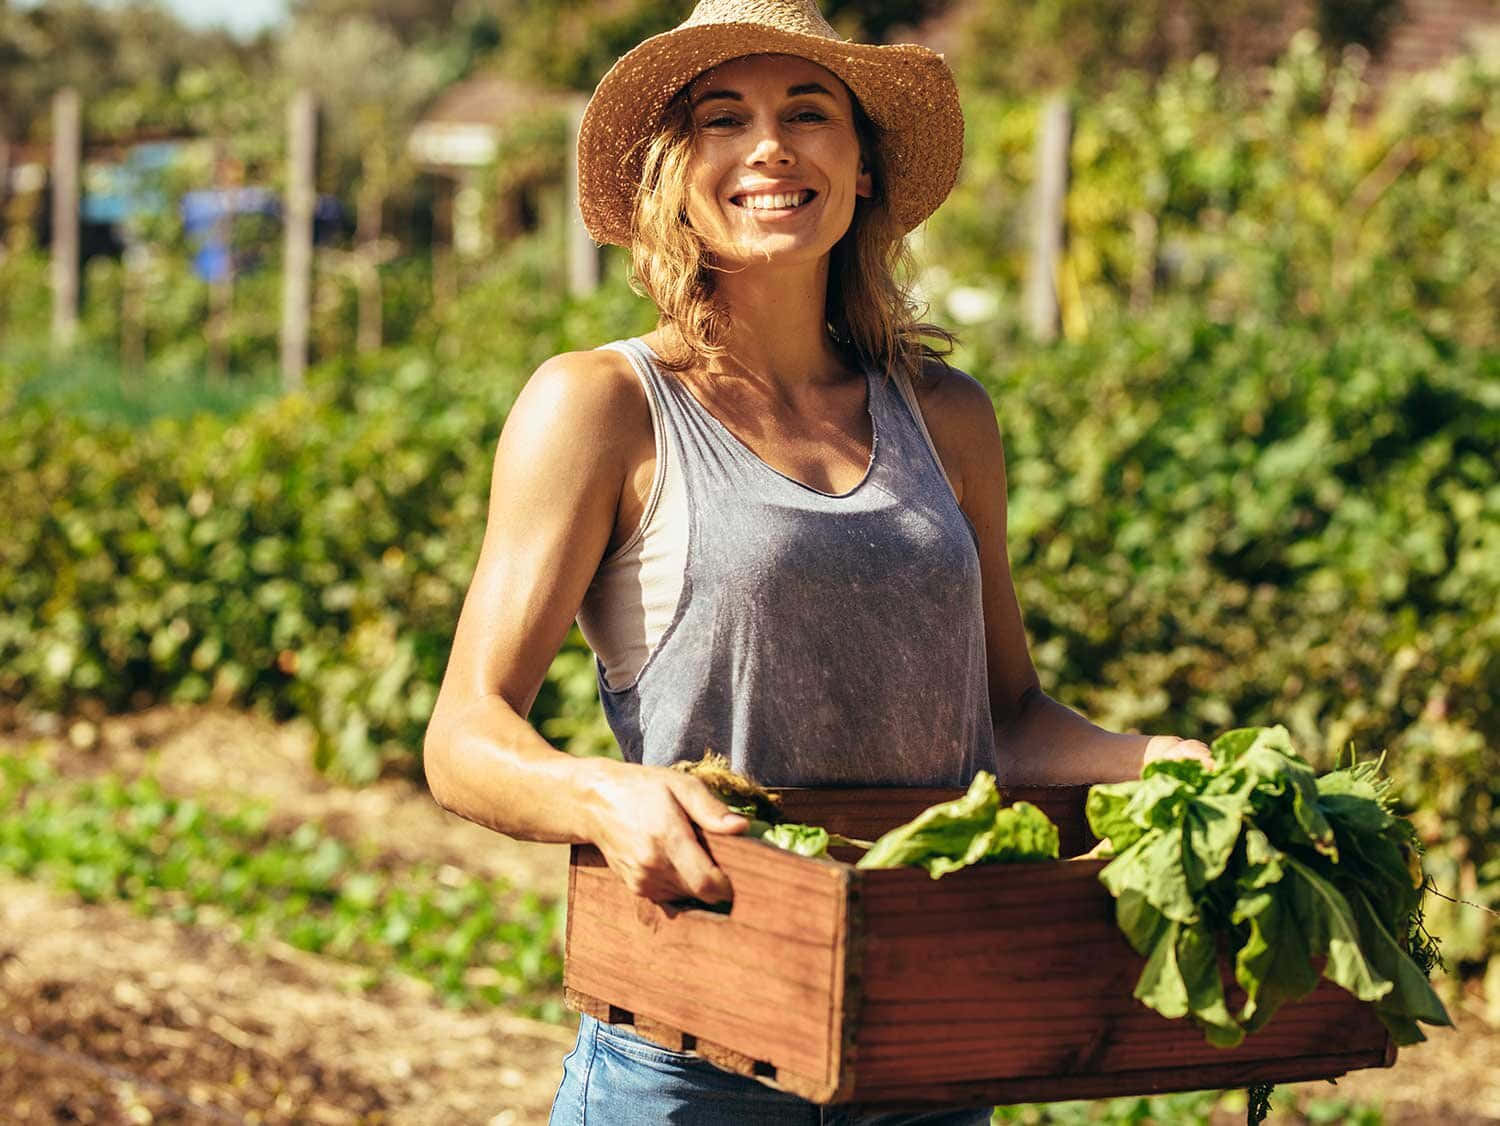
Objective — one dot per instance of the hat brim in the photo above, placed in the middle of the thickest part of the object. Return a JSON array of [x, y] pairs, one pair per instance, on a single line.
[[906, 90]]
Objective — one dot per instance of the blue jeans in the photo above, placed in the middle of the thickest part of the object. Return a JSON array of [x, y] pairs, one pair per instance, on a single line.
[[615, 1078]]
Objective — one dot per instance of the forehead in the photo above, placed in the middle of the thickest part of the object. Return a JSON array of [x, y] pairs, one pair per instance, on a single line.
[[773, 73]]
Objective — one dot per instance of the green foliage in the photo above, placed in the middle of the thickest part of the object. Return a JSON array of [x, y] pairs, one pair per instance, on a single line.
[[1196, 1108], [804, 840], [1278, 199], [308, 555], [973, 829], [1020, 45], [1286, 867], [478, 941], [571, 43], [1214, 524]]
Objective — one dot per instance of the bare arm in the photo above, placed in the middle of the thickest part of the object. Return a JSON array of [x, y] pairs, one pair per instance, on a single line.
[[1038, 740], [571, 445]]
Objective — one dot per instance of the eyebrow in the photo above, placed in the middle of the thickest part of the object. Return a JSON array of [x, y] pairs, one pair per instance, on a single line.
[[736, 96]]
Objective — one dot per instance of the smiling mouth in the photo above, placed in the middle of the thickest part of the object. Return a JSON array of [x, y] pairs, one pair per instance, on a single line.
[[773, 201]]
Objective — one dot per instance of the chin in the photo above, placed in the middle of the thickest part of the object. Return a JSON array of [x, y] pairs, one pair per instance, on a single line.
[[773, 252]]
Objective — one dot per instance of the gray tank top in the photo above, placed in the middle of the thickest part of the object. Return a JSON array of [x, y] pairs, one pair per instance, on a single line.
[[819, 640]]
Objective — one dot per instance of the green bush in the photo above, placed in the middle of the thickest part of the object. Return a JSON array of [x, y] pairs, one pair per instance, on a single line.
[[1284, 196], [1214, 525], [308, 555]]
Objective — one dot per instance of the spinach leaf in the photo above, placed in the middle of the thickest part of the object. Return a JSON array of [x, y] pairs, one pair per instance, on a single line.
[[972, 829], [804, 840], [1290, 874]]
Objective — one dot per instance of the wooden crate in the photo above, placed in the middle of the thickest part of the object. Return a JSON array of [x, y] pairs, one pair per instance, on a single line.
[[998, 984]]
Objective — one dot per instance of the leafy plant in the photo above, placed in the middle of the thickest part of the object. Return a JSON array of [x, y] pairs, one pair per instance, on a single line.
[[973, 829], [478, 941], [1283, 866]]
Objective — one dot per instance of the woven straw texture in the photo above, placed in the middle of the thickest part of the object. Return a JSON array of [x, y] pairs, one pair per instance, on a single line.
[[907, 91]]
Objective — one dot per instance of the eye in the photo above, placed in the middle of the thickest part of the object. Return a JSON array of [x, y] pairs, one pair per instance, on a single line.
[[809, 115], [719, 121]]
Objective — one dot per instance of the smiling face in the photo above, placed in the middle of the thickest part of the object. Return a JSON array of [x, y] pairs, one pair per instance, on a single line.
[[775, 168]]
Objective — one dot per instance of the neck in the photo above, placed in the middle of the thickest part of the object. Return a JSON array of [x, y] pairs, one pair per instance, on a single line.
[[778, 327]]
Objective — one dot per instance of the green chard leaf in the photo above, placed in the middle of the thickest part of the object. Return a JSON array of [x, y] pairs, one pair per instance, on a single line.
[[1412, 999], [969, 830], [1275, 963], [1323, 914], [1228, 747], [1292, 869], [1198, 959], [1213, 829], [804, 840], [1181, 978], [1141, 923], [1158, 800], [1153, 868], [1105, 809]]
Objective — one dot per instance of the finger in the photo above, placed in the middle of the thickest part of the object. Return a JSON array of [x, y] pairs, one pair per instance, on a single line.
[[698, 874], [699, 803], [694, 868]]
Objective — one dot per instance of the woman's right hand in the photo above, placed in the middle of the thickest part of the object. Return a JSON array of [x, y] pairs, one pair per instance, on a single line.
[[642, 819]]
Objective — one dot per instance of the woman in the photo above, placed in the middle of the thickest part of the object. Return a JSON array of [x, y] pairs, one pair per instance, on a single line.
[[779, 518]]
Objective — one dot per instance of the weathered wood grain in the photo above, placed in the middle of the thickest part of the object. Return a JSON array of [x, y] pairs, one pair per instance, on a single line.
[[1231, 1072], [764, 980], [1017, 971]]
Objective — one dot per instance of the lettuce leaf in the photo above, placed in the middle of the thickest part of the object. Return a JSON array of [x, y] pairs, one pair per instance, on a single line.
[[969, 830]]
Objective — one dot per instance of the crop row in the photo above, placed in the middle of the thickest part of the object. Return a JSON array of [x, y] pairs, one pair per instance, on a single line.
[[106, 839]]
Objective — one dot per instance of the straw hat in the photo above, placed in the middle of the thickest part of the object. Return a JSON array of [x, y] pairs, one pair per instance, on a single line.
[[906, 90]]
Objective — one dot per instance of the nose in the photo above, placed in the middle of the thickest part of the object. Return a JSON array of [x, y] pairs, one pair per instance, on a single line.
[[768, 147]]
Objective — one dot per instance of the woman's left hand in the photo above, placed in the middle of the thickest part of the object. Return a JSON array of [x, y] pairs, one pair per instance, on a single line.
[[1160, 747]]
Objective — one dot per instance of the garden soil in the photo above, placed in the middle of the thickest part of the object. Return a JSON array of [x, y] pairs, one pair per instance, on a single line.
[[108, 1017]]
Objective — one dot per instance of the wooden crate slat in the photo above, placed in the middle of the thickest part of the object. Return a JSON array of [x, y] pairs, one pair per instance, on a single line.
[[693, 971], [1162, 1080], [706, 971], [1132, 1041]]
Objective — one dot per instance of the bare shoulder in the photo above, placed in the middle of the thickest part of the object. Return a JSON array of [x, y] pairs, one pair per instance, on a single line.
[[952, 399], [597, 386], [961, 419], [580, 404]]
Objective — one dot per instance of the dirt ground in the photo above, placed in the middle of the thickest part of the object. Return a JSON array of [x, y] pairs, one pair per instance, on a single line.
[[111, 1018], [108, 1017]]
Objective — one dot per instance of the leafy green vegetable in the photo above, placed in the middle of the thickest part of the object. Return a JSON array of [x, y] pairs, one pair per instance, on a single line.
[[1284, 867], [804, 840], [972, 829]]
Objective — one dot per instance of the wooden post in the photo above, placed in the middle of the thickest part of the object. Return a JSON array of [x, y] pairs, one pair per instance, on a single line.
[[1143, 233], [444, 272], [65, 157], [583, 255], [1048, 226], [221, 288], [296, 269], [132, 308]]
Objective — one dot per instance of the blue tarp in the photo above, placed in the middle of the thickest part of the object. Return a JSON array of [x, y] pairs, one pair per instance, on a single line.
[[118, 193], [202, 211]]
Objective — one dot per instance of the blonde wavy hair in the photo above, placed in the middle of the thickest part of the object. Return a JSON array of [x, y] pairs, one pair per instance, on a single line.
[[873, 320]]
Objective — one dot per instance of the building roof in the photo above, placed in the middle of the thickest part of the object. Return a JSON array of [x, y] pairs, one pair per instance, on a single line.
[[492, 99], [462, 128]]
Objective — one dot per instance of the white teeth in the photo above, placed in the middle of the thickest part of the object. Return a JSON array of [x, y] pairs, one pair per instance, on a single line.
[[774, 201]]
